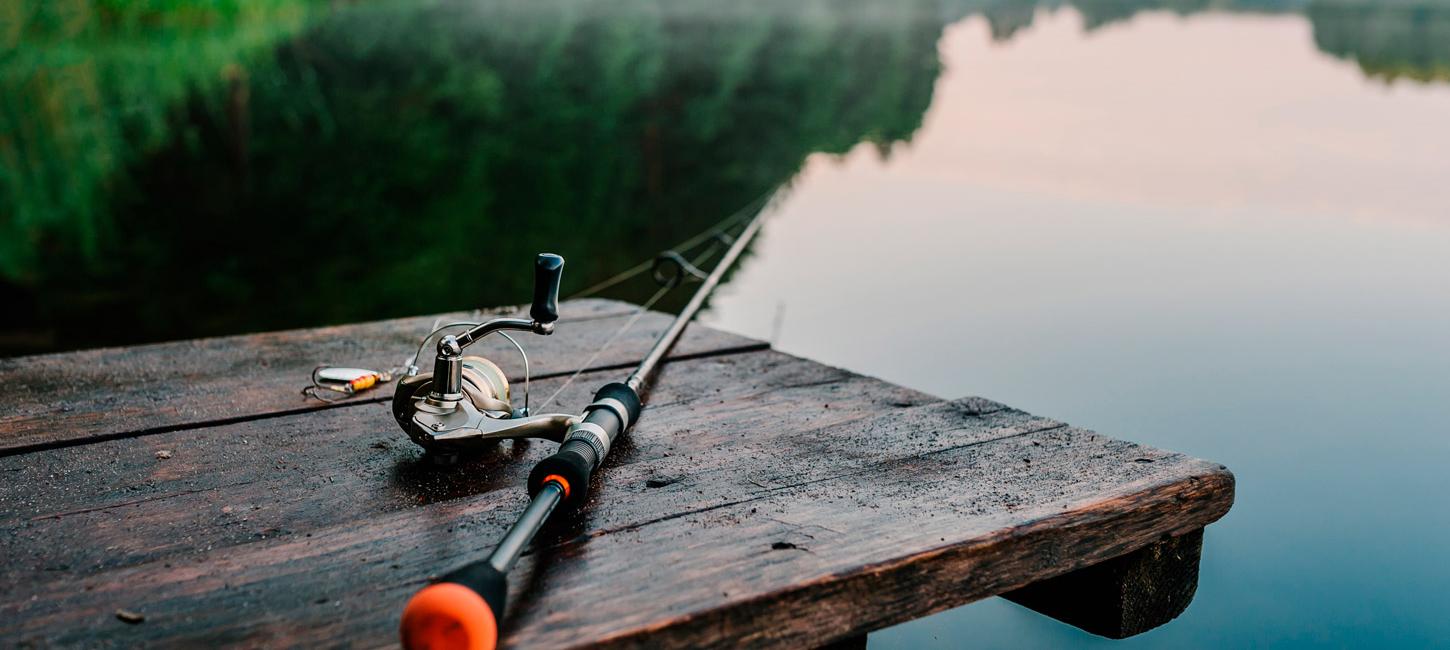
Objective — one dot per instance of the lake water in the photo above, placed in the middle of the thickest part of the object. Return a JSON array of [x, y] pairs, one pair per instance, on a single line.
[[1219, 228], [1202, 233]]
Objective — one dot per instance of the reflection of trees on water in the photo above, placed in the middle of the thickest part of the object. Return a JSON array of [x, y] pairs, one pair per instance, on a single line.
[[83, 87], [1008, 17], [246, 164], [1389, 39], [384, 159]]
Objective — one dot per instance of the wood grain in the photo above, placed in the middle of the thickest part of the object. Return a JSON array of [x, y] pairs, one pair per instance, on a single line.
[[762, 500], [288, 476], [794, 531], [59, 399]]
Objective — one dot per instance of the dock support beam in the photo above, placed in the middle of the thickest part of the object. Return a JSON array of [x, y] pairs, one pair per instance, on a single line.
[[1124, 596], [857, 642]]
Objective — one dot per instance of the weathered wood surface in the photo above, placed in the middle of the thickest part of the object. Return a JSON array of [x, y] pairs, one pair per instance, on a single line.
[[303, 472], [762, 500], [58, 399]]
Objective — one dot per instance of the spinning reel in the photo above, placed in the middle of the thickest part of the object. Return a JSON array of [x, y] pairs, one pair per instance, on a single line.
[[464, 403]]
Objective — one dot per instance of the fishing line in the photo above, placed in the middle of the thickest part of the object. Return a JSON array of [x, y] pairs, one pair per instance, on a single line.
[[719, 227], [445, 414], [667, 283], [346, 382], [634, 318]]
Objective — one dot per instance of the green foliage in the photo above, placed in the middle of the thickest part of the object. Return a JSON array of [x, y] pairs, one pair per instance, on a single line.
[[86, 89], [1389, 40], [388, 158], [211, 166]]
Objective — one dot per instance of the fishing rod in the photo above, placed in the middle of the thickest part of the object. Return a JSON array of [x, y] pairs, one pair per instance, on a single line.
[[469, 406]]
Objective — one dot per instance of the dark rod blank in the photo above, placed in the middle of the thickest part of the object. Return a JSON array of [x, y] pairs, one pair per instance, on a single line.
[[464, 608], [646, 368], [513, 543]]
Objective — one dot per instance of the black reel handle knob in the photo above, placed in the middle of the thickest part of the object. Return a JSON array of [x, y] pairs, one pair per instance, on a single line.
[[548, 271]]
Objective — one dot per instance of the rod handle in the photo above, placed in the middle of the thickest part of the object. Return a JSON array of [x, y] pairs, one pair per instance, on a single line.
[[548, 271], [571, 467], [615, 408], [461, 611]]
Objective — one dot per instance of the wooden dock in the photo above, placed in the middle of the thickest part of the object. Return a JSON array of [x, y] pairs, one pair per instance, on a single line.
[[762, 500]]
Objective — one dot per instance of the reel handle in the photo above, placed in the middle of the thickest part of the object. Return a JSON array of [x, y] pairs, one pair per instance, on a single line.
[[548, 270]]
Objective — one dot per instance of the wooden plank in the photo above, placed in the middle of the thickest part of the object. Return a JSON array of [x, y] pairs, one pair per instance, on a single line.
[[287, 476], [69, 398], [755, 503], [1124, 596], [853, 553]]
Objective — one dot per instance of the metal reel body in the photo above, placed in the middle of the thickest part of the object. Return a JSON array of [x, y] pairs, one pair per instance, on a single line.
[[484, 414]]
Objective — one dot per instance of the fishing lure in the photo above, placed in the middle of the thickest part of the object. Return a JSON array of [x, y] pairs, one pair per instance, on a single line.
[[347, 381]]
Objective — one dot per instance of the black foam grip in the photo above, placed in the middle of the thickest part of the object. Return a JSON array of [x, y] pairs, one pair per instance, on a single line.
[[625, 395], [548, 270], [484, 580], [577, 458], [574, 462]]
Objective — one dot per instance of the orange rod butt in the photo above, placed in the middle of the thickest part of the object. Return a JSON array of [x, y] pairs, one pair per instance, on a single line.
[[449, 616]]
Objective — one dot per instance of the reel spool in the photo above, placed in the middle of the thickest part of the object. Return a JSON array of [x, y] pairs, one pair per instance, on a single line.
[[485, 385], [464, 404]]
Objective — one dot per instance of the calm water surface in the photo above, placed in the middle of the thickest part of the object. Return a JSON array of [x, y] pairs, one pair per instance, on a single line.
[[1224, 231], [1200, 233]]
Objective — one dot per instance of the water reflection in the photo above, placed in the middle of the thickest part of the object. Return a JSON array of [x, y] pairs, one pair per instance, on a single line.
[[1221, 234], [343, 162], [1389, 40], [1202, 234], [383, 159]]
